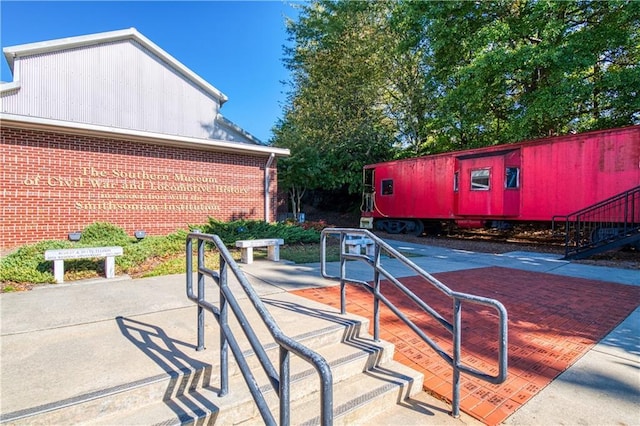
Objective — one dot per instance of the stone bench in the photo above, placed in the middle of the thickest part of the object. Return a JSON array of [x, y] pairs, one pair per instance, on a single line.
[[60, 255], [272, 245], [355, 244]]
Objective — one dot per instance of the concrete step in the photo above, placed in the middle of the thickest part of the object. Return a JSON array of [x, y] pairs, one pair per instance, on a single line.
[[364, 396], [357, 398], [347, 359], [134, 358], [99, 368]]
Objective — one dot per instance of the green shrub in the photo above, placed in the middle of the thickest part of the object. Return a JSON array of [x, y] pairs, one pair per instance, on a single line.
[[153, 255], [230, 232], [104, 234], [27, 264]]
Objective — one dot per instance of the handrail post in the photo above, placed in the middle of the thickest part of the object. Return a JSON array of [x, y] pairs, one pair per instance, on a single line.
[[201, 297], [224, 319], [578, 234], [189, 266], [326, 401], [376, 299], [457, 329], [626, 211], [285, 387], [566, 236], [343, 273]]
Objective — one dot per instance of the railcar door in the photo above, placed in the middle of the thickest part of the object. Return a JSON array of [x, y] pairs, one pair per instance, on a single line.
[[488, 185]]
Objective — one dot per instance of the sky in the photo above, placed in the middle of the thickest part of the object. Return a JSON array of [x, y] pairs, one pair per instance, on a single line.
[[236, 46]]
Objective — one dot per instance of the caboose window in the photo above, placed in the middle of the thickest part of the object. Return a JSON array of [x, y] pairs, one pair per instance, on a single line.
[[480, 180], [512, 177], [387, 187], [456, 181]]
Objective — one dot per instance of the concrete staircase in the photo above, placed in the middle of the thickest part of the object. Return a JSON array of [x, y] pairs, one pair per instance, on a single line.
[[144, 369]]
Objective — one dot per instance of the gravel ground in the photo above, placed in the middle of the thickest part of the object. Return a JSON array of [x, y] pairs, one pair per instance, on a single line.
[[626, 259]]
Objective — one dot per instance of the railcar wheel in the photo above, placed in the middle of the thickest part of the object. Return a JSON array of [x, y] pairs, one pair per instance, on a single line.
[[418, 227], [391, 226], [400, 226]]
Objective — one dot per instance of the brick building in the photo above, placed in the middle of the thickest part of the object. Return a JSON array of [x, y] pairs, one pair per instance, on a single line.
[[110, 128]]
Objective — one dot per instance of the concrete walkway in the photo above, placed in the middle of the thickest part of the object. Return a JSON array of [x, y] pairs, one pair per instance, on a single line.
[[601, 388]]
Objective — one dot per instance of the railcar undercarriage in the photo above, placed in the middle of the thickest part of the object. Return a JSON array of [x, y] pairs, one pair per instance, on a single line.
[[400, 226]]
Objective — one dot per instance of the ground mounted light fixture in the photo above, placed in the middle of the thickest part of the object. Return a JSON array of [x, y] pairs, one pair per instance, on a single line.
[[139, 235], [75, 236]]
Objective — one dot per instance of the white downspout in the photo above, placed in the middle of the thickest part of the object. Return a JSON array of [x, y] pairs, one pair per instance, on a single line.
[[267, 182]]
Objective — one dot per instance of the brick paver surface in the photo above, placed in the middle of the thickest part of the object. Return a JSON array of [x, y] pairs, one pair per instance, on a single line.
[[553, 321]]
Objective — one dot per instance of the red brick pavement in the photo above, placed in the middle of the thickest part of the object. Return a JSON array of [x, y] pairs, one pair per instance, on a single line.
[[553, 321]]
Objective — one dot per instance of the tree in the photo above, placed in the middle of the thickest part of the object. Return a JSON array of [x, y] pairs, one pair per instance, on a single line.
[[303, 169], [513, 70], [376, 80], [334, 122]]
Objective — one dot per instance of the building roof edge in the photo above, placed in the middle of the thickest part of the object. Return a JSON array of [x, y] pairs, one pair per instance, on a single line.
[[38, 123]]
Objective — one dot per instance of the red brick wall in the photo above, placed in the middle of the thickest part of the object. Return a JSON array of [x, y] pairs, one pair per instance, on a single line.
[[55, 183]]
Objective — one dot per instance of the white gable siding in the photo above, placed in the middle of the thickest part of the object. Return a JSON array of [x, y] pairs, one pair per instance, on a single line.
[[119, 84], [227, 133]]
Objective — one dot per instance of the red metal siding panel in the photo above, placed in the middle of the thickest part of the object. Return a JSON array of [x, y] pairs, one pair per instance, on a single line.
[[422, 188], [577, 171]]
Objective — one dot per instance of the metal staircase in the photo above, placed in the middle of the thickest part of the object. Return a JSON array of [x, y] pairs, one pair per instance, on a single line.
[[607, 225]]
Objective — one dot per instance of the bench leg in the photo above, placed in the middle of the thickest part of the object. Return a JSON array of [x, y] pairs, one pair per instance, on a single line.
[[273, 253], [353, 248], [370, 249], [58, 270], [246, 255], [110, 266]]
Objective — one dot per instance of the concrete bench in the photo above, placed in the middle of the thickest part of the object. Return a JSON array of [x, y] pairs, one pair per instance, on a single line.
[[355, 244], [60, 255], [272, 245]]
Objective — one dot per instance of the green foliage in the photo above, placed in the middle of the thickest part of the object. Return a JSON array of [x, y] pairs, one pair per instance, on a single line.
[[27, 264], [371, 81], [508, 71], [152, 256], [101, 233], [230, 232], [333, 123]]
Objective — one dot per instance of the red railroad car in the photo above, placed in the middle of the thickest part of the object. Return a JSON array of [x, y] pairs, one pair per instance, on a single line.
[[527, 181]]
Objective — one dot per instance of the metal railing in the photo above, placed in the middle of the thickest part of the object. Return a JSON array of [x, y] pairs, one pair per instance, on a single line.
[[279, 379], [601, 224], [453, 326]]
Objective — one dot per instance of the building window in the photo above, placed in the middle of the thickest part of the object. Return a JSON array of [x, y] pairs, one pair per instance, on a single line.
[[387, 187], [512, 177], [456, 181], [480, 180]]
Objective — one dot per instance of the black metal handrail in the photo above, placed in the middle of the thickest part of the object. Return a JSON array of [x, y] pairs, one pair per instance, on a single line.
[[453, 326], [280, 380], [602, 223]]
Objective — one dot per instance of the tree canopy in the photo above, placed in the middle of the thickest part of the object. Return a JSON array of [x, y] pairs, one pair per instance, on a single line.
[[372, 81]]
